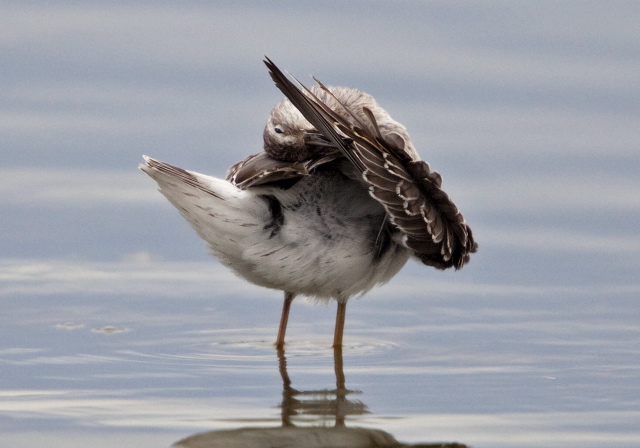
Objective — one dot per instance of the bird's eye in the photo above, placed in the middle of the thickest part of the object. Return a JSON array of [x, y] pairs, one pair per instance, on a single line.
[[278, 130]]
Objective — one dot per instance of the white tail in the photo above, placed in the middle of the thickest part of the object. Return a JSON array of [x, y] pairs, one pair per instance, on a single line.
[[222, 214]]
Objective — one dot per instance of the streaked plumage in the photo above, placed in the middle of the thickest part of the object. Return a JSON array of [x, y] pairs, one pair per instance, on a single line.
[[336, 204]]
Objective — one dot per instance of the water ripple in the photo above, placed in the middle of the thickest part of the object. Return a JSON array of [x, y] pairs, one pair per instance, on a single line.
[[222, 346]]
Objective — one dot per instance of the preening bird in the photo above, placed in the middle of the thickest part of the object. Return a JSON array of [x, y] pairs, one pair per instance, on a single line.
[[336, 203]]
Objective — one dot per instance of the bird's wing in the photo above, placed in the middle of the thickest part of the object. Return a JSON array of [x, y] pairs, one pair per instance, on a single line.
[[262, 169], [407, 188]]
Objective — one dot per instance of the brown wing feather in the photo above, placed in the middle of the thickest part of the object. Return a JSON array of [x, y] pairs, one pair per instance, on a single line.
[[313, 109], [408, 190], [262, 169]]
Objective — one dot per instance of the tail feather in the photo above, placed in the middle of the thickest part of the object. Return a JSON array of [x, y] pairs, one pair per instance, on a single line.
[[222, 214]]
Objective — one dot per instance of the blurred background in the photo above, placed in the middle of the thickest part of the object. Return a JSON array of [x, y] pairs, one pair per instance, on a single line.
[[529, 110]]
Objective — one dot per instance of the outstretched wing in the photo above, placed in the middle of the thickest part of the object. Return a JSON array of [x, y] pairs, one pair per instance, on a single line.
[[407, 188]]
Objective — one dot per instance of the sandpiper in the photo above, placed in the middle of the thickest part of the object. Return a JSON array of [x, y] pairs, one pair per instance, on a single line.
[[336, 203]]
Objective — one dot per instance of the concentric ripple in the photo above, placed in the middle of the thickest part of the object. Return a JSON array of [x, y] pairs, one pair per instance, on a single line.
[[237, 347]]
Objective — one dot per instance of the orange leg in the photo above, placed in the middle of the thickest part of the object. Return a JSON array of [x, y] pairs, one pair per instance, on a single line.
[[284, 318], [337, 335]]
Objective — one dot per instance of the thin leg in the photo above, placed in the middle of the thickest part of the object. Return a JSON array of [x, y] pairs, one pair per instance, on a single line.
[[337, 335], [284, 318]]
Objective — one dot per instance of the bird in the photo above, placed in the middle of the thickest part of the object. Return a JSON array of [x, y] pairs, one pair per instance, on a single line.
[[336, 203]]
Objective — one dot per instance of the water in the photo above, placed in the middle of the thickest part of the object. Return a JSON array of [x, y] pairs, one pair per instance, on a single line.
[[118, 330], [514, 367]]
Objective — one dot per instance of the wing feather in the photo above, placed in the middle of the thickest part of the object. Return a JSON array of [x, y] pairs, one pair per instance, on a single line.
[[262, 169], [407, 188]]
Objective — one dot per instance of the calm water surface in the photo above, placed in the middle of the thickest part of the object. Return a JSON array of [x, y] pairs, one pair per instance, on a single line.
[[548, 366]]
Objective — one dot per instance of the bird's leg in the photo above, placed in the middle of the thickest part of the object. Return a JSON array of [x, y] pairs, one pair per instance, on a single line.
[[337, 335], [284, 318]]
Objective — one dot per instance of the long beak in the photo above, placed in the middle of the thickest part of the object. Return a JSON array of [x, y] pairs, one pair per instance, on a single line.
[[314, 138]]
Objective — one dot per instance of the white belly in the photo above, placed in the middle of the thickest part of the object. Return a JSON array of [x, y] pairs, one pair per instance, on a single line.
[[327, 244]]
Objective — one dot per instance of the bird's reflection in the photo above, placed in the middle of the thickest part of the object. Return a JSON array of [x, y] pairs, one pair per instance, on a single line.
[[319, 403], [328, 405]]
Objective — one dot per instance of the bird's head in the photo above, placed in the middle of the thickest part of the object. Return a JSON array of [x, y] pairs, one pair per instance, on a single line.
[[289, 136]]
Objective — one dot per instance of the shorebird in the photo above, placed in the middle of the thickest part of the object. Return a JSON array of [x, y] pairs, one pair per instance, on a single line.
[[335, 204]]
